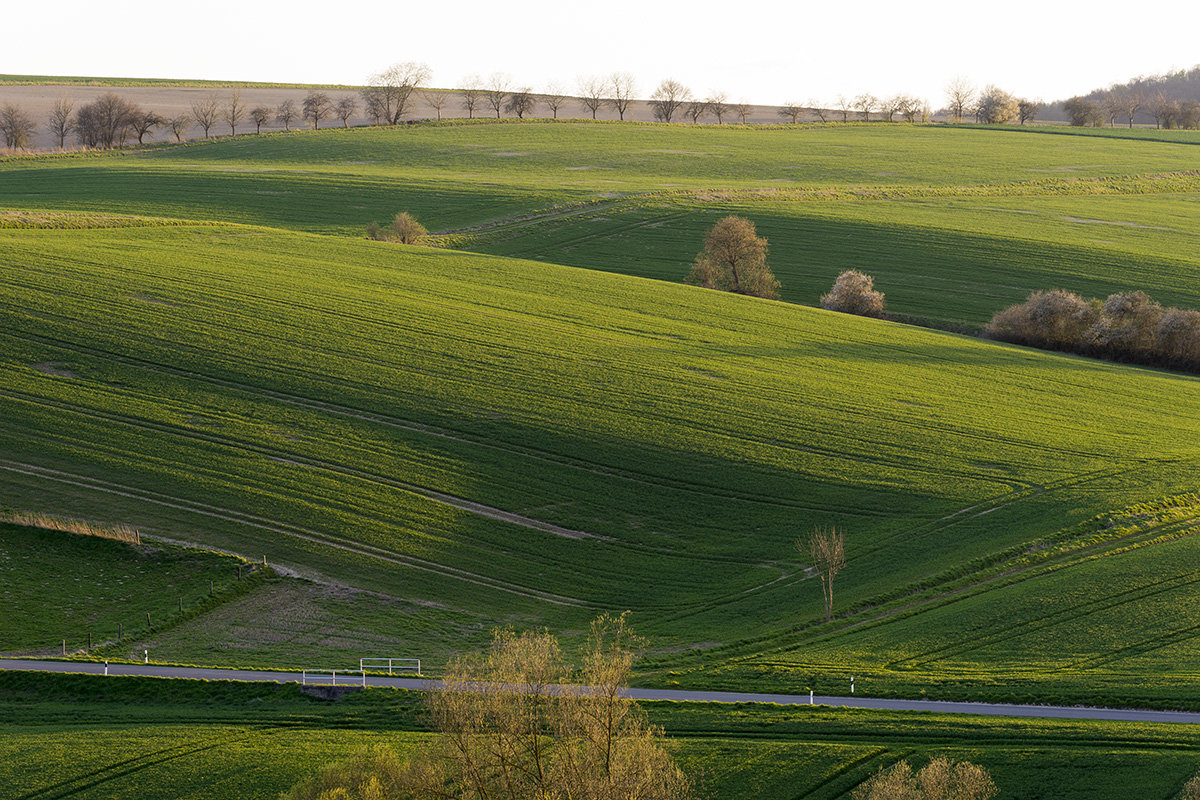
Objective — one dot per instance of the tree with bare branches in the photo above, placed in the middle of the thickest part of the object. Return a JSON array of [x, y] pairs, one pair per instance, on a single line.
[[179, 125], [555, 99], [521, 102], [734, 259], [344, 109], [825, 547], [791, 112], [696, 110], [496, 93], [233, 112], [741, 110], [437, 101], [472, 94], [142, 122], [818, 111], [317, 106], [591, 94], [1027, 110], [391, 91], [718, 105], [105, 122], [864, 104], [260, 115], [205, 112], [286, 114], [16, 126], [60, 120], [621, 87], [668, 98], [844, 106], [960, 97]]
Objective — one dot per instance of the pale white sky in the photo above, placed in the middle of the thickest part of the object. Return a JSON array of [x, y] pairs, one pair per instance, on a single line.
[[764, 52]]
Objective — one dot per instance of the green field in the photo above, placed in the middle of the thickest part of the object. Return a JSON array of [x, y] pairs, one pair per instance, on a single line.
[[145, 738]]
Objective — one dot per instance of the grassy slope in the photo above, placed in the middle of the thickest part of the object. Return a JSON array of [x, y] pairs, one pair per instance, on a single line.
[[208, 386], [88, 737]]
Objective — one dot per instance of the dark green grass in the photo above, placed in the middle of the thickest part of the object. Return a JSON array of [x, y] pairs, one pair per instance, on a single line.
[[293, 395], [91, 737], [62, 586]]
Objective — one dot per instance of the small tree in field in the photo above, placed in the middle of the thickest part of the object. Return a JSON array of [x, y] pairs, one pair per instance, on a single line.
[[734, 259], [826, 548], [404, 230], [260, 115], [940, 779], [854, 293], [286, 114], [345, 107]]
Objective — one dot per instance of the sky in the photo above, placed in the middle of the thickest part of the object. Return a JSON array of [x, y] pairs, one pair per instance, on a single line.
[[752, 50]]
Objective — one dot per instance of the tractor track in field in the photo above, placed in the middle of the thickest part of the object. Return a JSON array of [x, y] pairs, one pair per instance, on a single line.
[[262, 523]]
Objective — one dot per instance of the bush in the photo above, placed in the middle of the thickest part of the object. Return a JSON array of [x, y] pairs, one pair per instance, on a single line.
[[854, 293], [366, 775], [1191, 789], [940, 779], [1055, 319], [404, 230]]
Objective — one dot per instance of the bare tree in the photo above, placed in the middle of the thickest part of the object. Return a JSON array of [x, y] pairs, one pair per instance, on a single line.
[[345, 107], [826, 548], [105, 122], [865, 103], [204, 112], [471, 93], [718, 105], [234, 110], [1133, 102], [392, 89], [668, 98], [373, 105], [818, 111], [260, 115], [845, 105], [521, 102], [911, 108], [892, 106], [1027, 110], [591, 94], [555, 99], [60, 120], [437, 101], [179, 125], [317, 106], [16, 126], [142, 122], [696, 110], [741, 110], [286, 114], [960, 96], [734, 259], [1189, 114], [621, 87], [496, 93], [1164, 109], [791, 112]]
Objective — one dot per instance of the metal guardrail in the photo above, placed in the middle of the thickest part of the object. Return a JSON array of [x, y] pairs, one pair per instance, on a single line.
[[391, 663], [329, 677]]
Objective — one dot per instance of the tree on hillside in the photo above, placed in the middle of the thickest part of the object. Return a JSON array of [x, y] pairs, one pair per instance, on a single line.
[[1189, 114], [472, 94], [391, 90], [496, 93], [1027, 110], [517, 723], [591, 94], [825, 547], [16, 126], [865, 103], [1083, 111], [741, 110], [234, 110], [404, 230], [105, 122], [734, 259], [696, 110], [260, 115], [995, 106], [1165, 110], [791, 112], [204, 112], [286, 114], [718, 105], [818, 111], [555, 99], [437, 101], [668, 98], [940, 779], [854, 293], [891, 106], [179, 125], [317, 106], [960, 96], [845, 105], [346, 106], [521, 102], [142, 122], [912, 107], [621, 87], [60, 120]]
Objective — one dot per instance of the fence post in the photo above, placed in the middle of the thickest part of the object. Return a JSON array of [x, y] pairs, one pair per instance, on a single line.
[[303, 674], [364, 672], [64, 647]]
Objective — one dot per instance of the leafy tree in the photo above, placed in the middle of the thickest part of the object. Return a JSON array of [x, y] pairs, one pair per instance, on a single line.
[[996, 107], [734, 259], [854, 293], [404, 230]]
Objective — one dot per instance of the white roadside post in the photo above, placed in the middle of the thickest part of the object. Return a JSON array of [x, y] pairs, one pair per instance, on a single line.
[[146, 656], [106, 669], [851, 684], [810, 697]]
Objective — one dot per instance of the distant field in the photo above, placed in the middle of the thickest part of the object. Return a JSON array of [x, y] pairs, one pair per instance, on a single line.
[[148, 739]]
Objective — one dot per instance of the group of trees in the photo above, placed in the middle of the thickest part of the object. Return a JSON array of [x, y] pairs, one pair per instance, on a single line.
[[1125, 104], [990, 105], [1127, 326]]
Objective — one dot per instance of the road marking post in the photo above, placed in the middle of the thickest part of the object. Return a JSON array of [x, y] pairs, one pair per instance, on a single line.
[[106, 669], [810, 697]]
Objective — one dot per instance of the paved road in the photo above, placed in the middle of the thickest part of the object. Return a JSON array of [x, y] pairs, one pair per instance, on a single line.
[[354, 678]]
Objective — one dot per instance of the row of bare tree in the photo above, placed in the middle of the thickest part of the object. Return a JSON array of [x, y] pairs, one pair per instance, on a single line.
[[1125, 104]]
